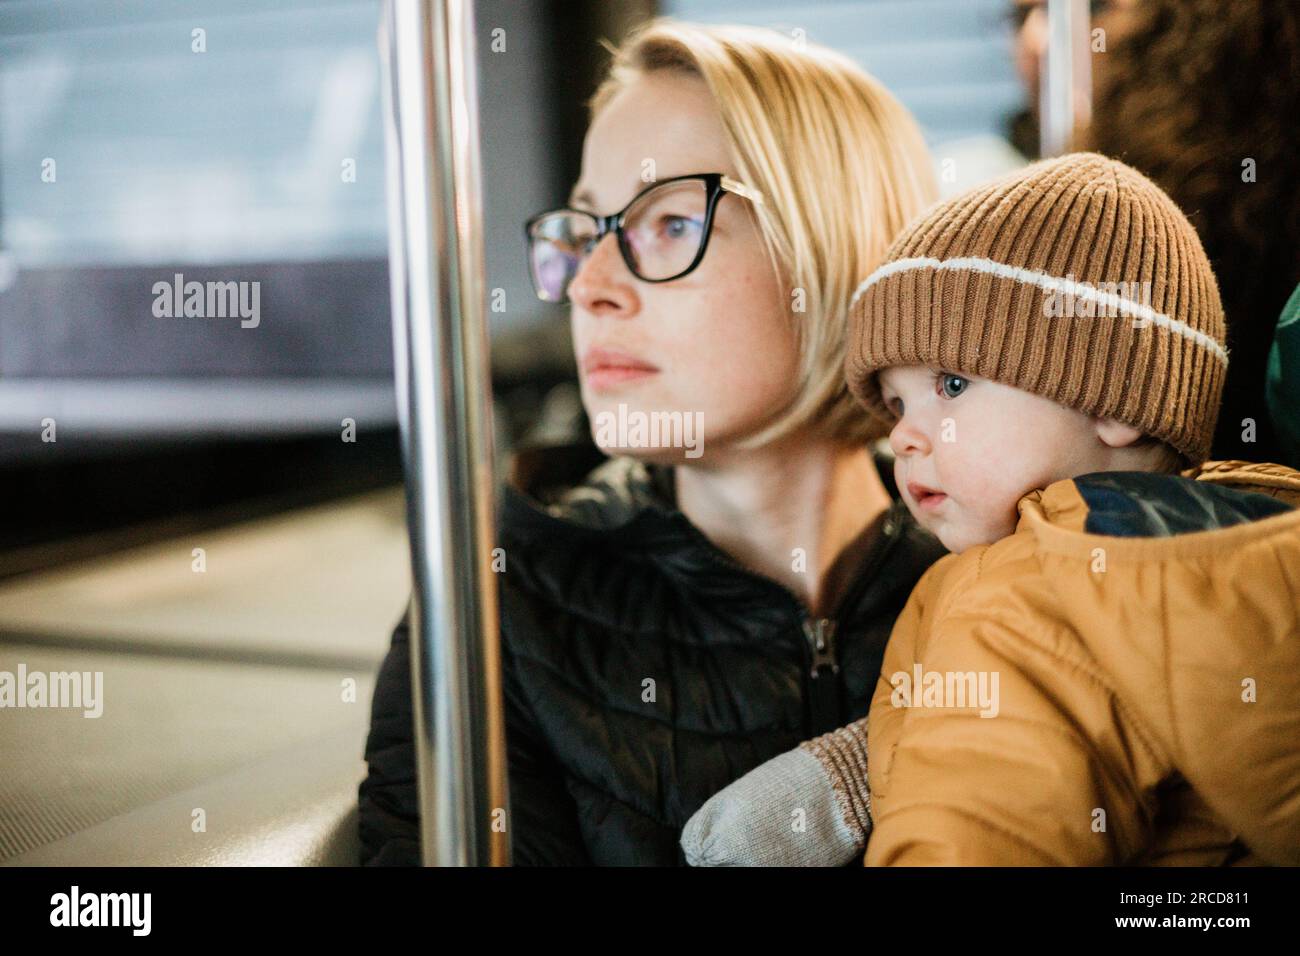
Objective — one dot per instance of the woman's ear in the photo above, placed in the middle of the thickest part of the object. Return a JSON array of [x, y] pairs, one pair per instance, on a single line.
[[1116, 434]]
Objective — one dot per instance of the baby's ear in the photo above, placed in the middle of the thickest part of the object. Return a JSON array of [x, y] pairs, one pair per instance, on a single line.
[[1116, 434]]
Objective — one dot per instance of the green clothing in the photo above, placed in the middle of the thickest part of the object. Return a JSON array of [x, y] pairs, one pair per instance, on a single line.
[[1283, 382]]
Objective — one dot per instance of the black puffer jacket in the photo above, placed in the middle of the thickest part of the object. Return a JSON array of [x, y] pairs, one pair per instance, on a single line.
[[644, 669]]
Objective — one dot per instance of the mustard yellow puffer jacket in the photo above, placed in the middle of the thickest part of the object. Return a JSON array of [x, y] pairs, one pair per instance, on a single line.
[[1144, 631]]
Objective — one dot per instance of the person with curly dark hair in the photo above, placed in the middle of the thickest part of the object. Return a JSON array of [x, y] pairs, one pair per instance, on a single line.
[[1202, 96]]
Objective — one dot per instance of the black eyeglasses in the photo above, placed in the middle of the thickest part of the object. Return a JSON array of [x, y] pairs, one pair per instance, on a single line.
[[662, 233]]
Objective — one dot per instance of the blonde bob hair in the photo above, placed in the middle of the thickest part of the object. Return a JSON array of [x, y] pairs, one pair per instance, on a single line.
[[842, 168]]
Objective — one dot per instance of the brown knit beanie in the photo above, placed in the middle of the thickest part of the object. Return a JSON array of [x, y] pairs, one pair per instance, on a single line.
[[1076, 279]]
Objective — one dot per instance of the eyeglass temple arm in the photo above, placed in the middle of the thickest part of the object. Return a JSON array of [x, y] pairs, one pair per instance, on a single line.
[[740, 189]]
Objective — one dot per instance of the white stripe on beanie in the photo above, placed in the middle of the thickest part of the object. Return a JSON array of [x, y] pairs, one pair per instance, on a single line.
[[1144, 313]]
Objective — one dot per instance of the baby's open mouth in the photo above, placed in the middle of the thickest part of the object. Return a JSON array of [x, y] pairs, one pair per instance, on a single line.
[[927, 498]]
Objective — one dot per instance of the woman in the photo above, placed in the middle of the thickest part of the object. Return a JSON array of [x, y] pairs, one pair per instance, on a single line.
[[673, 616]]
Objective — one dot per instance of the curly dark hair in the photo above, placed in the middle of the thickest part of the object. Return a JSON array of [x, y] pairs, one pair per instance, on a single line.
[[1187, 95]]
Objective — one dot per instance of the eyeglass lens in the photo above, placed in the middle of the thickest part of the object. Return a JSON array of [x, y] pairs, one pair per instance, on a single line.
[[663, 231]]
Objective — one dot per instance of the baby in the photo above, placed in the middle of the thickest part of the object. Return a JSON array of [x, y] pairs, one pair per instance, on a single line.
[[1107, 668]]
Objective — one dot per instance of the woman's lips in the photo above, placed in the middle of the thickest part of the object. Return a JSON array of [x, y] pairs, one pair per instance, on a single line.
[[605, 368], [926, 498]]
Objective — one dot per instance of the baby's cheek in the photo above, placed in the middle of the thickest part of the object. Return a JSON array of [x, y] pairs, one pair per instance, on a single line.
[[993, 500]]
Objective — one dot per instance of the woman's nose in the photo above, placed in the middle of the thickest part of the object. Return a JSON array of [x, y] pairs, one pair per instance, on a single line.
[[907, 439], [603, 284]]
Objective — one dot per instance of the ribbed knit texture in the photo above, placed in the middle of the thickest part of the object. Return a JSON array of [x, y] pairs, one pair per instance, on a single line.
[[1082, 217], [843, 755]]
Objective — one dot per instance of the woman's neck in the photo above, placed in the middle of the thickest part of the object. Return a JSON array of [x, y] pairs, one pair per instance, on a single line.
[[768, 507]]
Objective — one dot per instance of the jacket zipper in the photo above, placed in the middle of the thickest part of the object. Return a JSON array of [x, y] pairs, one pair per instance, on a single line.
[[824, 697], [821, 681], [820, 634]]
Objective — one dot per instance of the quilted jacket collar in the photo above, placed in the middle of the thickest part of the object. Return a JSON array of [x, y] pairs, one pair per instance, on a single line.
[[574, 494], [1136, 505], [578, 485]]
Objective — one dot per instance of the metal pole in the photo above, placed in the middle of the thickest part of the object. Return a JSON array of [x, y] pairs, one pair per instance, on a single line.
[[1065, 98], [444, 408]]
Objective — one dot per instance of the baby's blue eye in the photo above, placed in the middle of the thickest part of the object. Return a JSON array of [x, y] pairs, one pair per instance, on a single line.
[[952, 385]]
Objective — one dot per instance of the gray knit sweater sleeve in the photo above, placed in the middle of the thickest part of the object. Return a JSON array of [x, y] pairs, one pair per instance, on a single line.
[[806, 807]]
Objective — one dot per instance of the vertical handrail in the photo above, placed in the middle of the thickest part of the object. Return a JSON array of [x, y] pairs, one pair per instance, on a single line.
[[440, 350], [1065, 91]]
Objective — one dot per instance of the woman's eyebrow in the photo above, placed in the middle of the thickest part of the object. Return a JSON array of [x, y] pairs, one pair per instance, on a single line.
[[584, 197]]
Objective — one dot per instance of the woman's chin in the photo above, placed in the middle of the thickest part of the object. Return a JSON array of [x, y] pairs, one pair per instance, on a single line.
[[651, 455]]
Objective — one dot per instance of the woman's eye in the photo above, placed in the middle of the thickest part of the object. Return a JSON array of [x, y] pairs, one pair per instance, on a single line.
[[678, 227], [952, 385], [895, 405]]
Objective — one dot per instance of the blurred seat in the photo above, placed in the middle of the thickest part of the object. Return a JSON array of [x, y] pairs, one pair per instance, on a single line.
[[296, 807], [242, 692]]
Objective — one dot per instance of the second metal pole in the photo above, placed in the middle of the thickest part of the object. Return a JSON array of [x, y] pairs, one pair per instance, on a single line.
[[1065, 85]]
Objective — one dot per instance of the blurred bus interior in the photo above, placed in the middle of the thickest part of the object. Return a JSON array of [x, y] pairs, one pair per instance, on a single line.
[[126, 157]]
